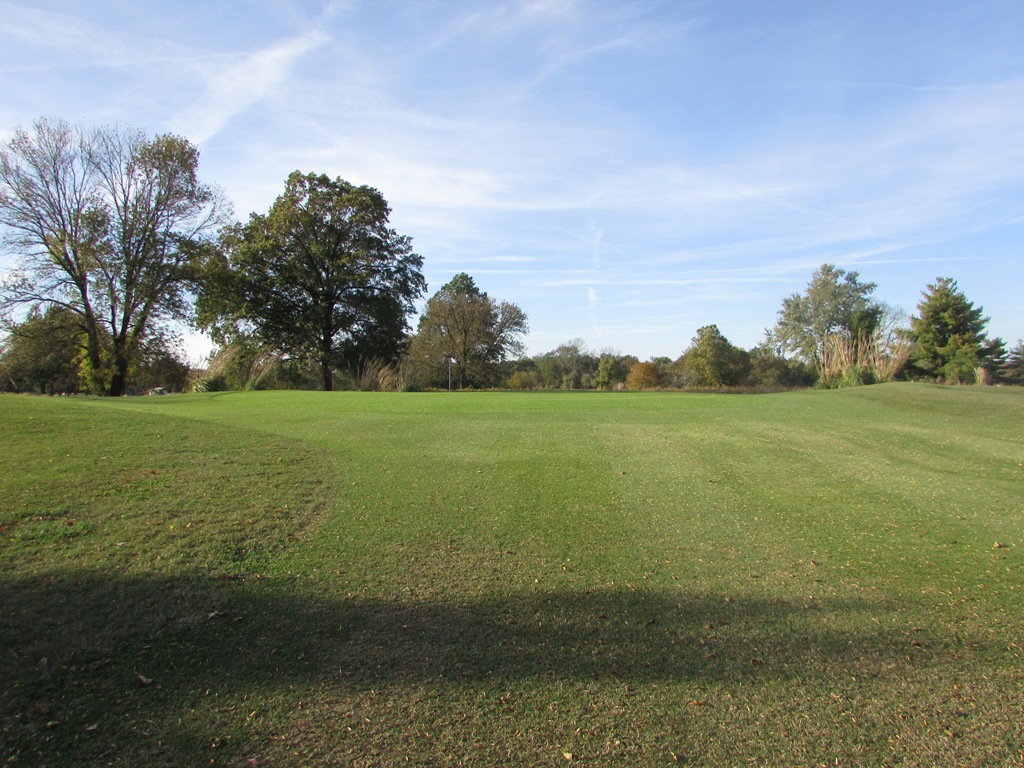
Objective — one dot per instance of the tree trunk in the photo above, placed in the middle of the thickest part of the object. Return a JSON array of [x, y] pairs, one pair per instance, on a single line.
[[94, 354], [118, 382], [325, 367], [119, 377]]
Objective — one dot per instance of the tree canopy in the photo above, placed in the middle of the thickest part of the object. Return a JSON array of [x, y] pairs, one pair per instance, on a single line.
[[320, 277], [712, 361], [643, 376], [465, 326], [949, 334], [612, 371], [106, 224], [42, 353], [835, 303]]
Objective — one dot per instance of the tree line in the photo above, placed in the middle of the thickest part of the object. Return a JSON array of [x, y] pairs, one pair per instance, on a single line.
[[833, 334], [119, 244]]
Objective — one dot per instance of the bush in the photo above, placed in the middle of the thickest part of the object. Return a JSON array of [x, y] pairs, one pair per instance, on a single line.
[[643, 376]]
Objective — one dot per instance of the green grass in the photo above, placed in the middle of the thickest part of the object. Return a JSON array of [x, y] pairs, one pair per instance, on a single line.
[[289, 578]]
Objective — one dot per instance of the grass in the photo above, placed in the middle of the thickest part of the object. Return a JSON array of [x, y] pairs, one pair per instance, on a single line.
[[283, 578]]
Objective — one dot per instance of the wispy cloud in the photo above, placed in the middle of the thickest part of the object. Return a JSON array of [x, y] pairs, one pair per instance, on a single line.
[[235, 85], [71, 42], [584, 156]]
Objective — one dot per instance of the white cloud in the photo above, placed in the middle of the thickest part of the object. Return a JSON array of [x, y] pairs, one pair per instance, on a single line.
[[234, 86]]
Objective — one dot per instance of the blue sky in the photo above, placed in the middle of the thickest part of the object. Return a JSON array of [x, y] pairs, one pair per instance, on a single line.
[[626, 172]]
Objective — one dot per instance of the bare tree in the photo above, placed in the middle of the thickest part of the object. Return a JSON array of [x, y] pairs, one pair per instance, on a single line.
[[105, 223]]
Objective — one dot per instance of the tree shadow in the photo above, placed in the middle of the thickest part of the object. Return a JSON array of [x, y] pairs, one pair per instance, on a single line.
[[94, 661]]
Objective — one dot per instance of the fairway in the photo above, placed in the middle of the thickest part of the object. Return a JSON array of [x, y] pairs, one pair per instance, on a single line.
[[471, 579]]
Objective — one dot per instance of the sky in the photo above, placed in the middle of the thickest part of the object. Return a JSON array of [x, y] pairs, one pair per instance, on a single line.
[[625, 172]]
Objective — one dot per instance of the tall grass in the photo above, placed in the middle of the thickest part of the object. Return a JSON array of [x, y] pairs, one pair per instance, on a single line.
[[875, 358], [238, 366], [376, 375]]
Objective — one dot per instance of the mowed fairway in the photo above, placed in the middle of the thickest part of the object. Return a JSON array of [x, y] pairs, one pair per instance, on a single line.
[[604, 579]]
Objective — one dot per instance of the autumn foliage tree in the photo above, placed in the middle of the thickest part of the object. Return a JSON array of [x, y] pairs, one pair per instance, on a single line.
[[643, 376]]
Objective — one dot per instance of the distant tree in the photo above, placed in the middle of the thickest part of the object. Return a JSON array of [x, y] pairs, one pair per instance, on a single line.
[[45, 354], [521, 380], [522, 374], [160, 366], [611, 371], [1012, 369], [949, 335], [465, 328], [321, 277], [711, 361], [771, 370], [835, 303], [575, 363], [42, 354], [107, 224], [549, 371], [643, 376]]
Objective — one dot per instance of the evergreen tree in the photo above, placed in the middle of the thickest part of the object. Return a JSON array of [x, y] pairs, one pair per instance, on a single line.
[[43, 353], [1012, 369], [949, 335]]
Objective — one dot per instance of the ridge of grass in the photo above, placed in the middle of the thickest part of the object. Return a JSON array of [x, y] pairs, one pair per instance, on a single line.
[[289, 578]]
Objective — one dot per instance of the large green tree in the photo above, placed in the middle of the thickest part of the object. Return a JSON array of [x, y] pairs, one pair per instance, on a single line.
[[466, 329], [835, 303], [949, 335], [712, 361], [106, 224], [321, 277]]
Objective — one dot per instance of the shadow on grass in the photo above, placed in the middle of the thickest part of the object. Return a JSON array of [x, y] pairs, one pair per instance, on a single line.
[[96, 666]]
